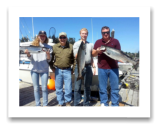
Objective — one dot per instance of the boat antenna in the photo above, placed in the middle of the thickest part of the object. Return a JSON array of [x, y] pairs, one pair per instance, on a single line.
[[33, 28], [112, 33], [92, 30]]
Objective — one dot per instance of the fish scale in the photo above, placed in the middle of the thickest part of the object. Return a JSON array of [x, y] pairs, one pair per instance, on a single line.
[[81, 60], [33, 49]]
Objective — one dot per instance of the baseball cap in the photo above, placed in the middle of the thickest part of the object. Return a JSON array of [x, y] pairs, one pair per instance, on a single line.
[[62, 33], [42, 33]]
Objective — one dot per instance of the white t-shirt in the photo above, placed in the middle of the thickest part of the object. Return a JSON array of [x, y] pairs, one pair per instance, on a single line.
[[89, 48]]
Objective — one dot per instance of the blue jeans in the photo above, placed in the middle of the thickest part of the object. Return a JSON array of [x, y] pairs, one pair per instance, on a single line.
[[113, 75], [44, 81], [63, 76], [87, 74]]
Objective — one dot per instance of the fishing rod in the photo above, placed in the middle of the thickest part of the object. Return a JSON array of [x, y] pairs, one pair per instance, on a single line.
[[92, 29], [33, 27]]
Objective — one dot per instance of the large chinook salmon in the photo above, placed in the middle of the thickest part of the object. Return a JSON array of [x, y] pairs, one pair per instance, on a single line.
[[33, 49], [118, 55], [81, 60]]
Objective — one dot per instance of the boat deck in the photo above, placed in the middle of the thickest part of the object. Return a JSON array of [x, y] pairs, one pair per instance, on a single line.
[[128, 97]]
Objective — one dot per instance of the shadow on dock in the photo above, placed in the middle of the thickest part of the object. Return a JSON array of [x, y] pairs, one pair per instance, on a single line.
[[26, 96], [126, 104]]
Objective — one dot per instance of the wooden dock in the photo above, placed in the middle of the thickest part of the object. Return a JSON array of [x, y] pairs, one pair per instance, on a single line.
[[128, 97]]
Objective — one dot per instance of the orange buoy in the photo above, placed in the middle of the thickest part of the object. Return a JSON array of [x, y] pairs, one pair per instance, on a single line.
[[51, 84]]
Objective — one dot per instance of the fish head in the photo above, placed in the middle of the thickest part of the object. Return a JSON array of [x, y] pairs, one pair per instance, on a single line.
[[84, 46], [44, 49], [103, 48]]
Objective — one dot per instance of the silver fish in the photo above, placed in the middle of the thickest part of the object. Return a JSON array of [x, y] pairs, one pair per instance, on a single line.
[[81, 60], [33, 49], [118, 55]]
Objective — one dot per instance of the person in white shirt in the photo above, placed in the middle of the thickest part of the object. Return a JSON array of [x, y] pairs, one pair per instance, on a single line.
[[86, 72]]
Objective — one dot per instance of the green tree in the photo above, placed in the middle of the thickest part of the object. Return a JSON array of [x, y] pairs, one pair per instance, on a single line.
[[24, 39], [137, 55], [55, 39], [71, 40]]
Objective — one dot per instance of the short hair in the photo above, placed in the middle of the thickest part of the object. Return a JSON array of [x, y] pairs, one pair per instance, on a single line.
[[105, 27], [84, 29]]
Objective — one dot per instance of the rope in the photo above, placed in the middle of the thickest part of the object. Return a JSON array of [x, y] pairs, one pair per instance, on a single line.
[[21, 34], [24, 28], [27, 28]]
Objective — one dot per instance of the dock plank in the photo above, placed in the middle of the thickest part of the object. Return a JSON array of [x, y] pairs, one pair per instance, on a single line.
[[138, 99], [120, 94], [135, 98], [26, 97], [125, 95], [129, 97]]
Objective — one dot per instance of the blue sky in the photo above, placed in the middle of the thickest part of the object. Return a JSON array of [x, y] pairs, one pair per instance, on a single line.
[[126, 28]]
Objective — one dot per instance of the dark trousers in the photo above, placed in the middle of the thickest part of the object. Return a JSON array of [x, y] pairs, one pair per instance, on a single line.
[[87, 74]]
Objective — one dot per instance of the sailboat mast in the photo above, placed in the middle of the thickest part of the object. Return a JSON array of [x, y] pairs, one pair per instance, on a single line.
[[33, 28], [92, 30]]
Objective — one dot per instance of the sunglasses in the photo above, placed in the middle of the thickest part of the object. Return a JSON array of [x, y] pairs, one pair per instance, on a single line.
[[106, 32], [62, 37]]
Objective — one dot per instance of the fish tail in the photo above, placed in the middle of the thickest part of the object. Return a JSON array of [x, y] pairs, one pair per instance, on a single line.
[[79, 78]]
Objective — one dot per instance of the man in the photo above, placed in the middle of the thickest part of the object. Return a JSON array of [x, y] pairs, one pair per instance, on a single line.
[[107, 68], [86, 72], [63, 53]]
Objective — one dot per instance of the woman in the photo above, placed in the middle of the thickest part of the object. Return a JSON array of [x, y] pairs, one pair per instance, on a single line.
[[40, 66]]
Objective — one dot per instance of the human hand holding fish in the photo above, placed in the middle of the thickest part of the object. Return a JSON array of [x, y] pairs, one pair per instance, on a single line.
[[27, 52], [99, 50], [94, 71], [53, 70], [48, 54], [120, 61]]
